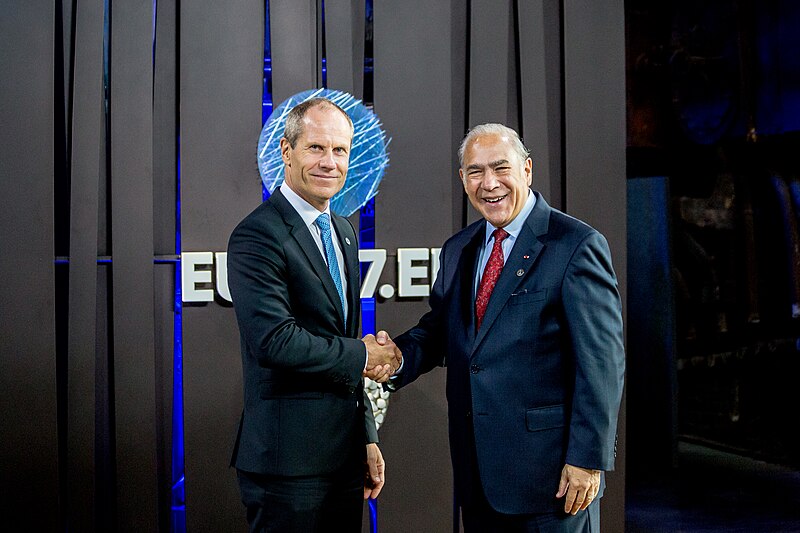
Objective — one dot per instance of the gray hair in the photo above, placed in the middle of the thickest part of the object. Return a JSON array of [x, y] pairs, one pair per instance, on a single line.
[[493, 129], [294, 119]]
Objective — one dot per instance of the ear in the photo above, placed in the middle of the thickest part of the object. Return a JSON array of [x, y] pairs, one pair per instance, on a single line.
[[528, 169], [286, 152], [461, 176]]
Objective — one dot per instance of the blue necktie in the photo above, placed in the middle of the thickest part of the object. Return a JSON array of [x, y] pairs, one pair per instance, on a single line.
[[333, 265]]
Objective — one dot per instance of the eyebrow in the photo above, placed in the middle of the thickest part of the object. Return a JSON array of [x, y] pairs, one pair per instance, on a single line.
[[493, 164]]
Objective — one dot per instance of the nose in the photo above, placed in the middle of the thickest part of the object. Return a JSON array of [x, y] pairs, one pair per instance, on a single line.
[[327, 161], [489, 181]]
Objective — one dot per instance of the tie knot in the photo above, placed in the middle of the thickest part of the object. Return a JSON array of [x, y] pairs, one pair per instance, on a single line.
[[323, 222], [499, 234]]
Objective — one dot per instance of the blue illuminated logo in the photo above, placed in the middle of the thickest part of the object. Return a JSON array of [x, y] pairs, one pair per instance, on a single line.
[[368, 155]]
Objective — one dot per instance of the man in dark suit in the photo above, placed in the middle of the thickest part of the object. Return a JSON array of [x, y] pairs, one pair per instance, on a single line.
[[307, 428], [526, 316]]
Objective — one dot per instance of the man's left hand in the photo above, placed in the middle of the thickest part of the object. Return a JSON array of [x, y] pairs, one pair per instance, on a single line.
[[374, 476], [580, 485]]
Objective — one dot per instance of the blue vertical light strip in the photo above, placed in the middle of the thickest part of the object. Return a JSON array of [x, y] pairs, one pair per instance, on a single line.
[[366, 238], [178, 481], [323, 50], [266, 94], [366, 217], [178, 493]]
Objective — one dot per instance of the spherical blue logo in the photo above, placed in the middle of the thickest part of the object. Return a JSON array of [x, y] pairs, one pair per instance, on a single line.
[[368, 155]]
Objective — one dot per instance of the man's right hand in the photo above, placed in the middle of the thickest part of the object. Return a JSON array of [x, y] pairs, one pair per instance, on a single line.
[[383, 357]]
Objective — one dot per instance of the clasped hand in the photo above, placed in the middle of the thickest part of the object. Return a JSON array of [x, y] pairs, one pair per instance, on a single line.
[[383, 357]]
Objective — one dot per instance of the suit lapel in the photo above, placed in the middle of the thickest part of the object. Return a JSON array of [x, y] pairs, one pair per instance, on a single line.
[[518, 266], [302, 236]]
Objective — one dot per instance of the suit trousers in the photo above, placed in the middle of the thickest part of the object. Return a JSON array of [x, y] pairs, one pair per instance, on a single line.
[[303, 504]]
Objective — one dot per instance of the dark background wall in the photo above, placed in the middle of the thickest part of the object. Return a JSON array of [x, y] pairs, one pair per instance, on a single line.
[[133, 140]]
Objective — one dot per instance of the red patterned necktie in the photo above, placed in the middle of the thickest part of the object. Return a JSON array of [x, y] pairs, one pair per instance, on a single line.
[[490, 274]]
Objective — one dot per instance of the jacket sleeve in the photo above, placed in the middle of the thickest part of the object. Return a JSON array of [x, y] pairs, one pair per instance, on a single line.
[[593, 315]]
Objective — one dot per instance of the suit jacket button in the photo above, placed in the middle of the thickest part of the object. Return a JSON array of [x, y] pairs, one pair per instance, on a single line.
[[474, 369]]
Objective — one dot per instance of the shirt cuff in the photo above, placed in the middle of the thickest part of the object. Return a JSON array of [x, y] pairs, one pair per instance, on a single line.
[[399, 369]]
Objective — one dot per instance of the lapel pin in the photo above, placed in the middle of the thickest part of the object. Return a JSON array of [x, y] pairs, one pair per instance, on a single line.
[[520, 272], [347, 240], [526, 256]]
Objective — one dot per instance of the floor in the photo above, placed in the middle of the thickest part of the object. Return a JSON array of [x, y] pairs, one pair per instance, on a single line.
[[714, 491]]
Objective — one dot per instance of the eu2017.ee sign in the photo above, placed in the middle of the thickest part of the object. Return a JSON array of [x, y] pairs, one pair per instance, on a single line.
[[205, 273]]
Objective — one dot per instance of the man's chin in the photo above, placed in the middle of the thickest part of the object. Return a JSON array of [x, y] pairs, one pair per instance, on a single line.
[[495, 219]]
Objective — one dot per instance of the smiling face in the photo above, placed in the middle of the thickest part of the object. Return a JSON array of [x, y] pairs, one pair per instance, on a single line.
[[495, 178], [316, 166]]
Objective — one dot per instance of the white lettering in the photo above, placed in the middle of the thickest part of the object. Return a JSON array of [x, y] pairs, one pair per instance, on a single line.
[[196, 270], [407, 272], [376, 258], [222, 276], [191, 276]]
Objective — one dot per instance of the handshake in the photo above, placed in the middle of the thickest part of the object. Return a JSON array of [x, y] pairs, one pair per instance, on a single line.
[[383, 357]]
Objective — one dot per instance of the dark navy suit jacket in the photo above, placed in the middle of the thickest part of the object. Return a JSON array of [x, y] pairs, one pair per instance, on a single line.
[[542, 379], [304, 402]]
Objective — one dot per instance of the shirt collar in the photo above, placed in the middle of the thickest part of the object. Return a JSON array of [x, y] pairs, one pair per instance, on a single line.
[[515, 226], [307, 212]]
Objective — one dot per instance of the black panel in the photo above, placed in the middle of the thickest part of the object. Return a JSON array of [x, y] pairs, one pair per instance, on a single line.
[[412, 93], [88, 147], [295, 62], [492, 68], [344, 45], [540, 84], [492, 83], [165, 128], [105, 490], [164, 296], [132, 273], [28, 453], [414, 207], [221, 72], [459, 101]]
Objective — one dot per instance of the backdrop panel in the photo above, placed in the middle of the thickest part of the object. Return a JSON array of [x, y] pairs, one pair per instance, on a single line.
[[492, 57], [296, 62], [87, 157], [132, 273], [415, 209], [28, 454], [165, 128], [540, 87], [344, 45], [221, 69]]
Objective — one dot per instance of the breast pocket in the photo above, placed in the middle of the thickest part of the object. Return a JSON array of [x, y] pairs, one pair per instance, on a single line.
[[526, 297]]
